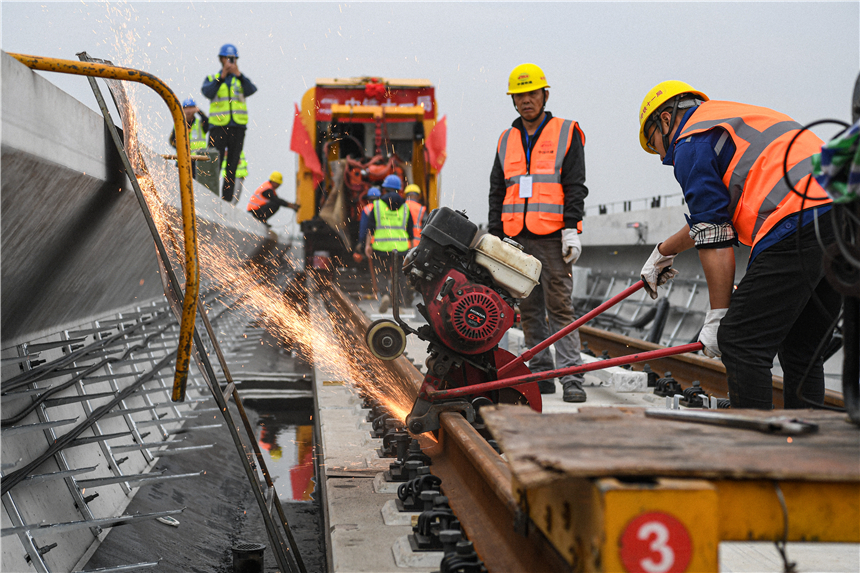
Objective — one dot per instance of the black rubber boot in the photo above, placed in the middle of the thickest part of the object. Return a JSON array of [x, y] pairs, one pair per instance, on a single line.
[[573, 392]]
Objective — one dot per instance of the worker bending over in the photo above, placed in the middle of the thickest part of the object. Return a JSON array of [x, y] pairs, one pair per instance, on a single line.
[[228, 113], [418, 211], [265, 201], [728, 158], [197, 124], [389, 230], [537, 195]]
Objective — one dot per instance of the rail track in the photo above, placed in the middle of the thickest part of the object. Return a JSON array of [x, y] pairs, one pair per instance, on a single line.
[[486, 497]]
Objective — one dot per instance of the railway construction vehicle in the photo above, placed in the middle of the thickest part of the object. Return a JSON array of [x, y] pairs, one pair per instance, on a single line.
[[349, 134]]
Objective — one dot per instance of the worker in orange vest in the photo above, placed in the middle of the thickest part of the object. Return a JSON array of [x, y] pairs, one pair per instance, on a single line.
[[728, 158], [418, 211], [265, 201], [537, 196]]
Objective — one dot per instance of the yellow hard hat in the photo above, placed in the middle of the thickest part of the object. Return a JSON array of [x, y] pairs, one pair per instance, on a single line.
[[412, 188], [660, 94], [276, 177], [526, 78]]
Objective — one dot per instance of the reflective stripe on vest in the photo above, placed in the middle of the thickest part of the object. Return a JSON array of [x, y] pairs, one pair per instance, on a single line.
[[390, 233], [229, 101], [543, 213], [418, 210], [759, 195], [257, 200], [197, 135], [241, 169]]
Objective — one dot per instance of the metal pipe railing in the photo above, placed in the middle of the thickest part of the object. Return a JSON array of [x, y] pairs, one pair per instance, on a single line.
[[186, 189]]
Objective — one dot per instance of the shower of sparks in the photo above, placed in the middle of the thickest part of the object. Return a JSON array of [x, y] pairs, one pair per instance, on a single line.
[[222, 263]]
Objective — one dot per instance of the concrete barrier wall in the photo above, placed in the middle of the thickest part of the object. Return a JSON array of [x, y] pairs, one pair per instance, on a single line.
[[75, 245]]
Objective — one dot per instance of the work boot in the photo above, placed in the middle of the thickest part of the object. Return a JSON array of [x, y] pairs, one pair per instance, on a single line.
[[573, 392], [384, 303], [546, 386]]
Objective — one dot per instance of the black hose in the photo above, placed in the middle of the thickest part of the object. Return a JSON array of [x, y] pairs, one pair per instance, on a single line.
[[6, 422], [9, 481], [38, 373]]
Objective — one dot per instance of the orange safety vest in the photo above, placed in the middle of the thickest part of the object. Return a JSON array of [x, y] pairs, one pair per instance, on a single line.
[[543, 213], [257, 200], [418, 211], [760, 197]]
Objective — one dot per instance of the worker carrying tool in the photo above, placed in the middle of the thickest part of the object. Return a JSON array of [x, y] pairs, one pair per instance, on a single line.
[[729, 159], [228, 113], [418, 210], [197, 124], [537, 195], [389, 229], [265, 201]]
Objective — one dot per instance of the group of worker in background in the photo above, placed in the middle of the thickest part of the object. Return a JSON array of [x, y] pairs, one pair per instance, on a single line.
[[224, 129], [728, 158], [390, 225]]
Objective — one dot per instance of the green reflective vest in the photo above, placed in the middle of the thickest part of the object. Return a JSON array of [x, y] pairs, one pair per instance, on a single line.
[[241, 169], [230, 100], [390, 233], [197, 135]]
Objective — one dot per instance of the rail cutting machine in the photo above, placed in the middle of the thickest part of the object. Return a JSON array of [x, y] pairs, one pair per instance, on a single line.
[[469, 295]]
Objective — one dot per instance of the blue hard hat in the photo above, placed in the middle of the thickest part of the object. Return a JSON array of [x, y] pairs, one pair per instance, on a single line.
[[229, 50], [189, 103], [374, 193], [392, 182]]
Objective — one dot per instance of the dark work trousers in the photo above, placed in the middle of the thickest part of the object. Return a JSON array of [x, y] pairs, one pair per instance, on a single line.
[[549, 308], [382, 264], [773, 312], [228, 139]]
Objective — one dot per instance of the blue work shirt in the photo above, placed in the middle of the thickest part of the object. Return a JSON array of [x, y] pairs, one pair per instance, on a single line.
[[210, 88], [699, 169]]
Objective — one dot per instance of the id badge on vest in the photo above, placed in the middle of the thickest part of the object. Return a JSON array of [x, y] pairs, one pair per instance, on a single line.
[[525, 186]]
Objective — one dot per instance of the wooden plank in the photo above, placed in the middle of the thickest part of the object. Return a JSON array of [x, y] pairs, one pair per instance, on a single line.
[[604, 442]]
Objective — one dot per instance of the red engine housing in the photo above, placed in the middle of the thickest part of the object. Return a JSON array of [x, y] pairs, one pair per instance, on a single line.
[[469, 318]]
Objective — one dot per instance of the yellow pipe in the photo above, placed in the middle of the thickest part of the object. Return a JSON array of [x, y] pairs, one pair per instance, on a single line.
[[186, 189]]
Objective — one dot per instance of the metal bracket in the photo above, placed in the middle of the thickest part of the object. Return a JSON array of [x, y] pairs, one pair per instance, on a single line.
[[425, 415]]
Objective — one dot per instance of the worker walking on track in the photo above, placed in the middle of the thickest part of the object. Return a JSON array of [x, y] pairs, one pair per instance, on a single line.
[[418, 211], [537, 195], [228, 113], [265, 201], [728, 158], [366, 213], [197, 124], [389, 230]]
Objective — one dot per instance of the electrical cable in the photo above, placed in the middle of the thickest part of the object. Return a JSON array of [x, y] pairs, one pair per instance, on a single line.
[[791, 143]]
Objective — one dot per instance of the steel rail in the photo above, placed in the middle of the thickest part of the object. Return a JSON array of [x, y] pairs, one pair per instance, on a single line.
[[479, 488], [186, 189], [686, 368]]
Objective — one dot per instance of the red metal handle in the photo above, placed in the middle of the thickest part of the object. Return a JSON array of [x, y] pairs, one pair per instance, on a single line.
[[529, 354], [599, 365]]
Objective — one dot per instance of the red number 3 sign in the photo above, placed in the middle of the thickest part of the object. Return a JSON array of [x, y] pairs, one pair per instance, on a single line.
[[655, 543]]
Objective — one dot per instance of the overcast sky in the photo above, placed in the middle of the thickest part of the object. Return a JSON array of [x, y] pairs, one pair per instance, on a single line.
[[600, 59]]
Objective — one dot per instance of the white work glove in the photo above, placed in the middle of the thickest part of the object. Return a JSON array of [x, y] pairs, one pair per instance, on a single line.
[[571, 248], [657, 271], [708, 336]]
